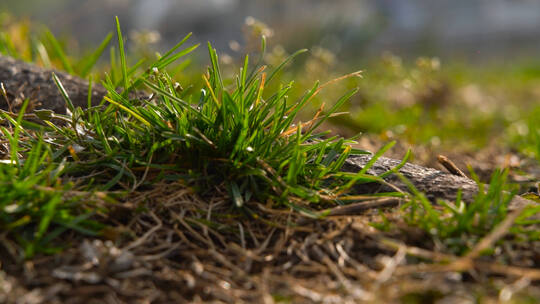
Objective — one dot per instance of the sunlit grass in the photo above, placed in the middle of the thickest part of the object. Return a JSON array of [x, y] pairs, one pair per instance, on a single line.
[[240, 132], [457, 226], [240, 137], [35, 207]]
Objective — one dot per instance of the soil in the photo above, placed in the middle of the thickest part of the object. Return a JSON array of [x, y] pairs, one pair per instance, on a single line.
[[167, 254]]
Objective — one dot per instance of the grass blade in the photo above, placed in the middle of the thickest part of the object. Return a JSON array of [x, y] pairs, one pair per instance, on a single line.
[[64, 93], [59, 52], [123, 63], [93, 58]]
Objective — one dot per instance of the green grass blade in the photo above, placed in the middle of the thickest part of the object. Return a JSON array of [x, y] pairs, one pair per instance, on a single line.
[[123, 63], [58, 51], [48, 215], [217, 79], [64, 93], [376, 156], [173, 49], [399, 166], [93, 58], [165, 62], [89, 92], [237, 196], [282, 65], [130, 111]]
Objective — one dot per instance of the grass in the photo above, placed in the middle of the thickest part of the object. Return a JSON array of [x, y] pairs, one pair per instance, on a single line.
[[525, 133], [34, 202], [251, 136], [239, 137], [393, 94], [244, 136], [457, 227]]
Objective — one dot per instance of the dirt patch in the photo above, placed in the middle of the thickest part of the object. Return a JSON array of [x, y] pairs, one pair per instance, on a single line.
[[169, 245]]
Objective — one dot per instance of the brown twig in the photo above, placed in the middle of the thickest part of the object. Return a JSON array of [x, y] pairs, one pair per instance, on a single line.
[[355, 208], [359, 208], [456, 264], [450, 166]]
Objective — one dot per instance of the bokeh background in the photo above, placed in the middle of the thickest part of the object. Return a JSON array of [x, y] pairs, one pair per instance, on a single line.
[[467, 29]]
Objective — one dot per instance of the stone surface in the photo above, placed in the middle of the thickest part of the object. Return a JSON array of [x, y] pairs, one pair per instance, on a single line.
[[22, 80]]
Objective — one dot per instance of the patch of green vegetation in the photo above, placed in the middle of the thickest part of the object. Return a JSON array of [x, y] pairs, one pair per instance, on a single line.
[[219, 135], [525, 133], [35, 205], [458, 226], [237, 135], [426, 102], [242, 133]]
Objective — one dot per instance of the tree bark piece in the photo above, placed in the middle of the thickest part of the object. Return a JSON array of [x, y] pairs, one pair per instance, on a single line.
[[433, 183], [22, 80]]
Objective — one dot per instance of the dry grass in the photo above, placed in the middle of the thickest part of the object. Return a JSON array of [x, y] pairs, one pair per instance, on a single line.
[[171, 245]]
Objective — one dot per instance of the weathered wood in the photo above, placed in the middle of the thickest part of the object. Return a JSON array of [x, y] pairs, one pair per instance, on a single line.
[[435, 184], [22, 80]]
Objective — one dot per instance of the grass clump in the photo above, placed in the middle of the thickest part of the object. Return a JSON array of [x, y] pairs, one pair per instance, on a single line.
[[237, 136], [233, 135], [32, 196], [458, 226], [239, 142]]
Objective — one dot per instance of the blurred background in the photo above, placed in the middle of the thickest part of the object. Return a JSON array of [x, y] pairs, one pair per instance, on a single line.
[[468, 29]]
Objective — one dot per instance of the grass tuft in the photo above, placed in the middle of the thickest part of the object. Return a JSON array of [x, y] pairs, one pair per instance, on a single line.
[[243, 138], [458, 226]]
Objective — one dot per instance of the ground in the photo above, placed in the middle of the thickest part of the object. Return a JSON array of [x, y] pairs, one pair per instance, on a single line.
[[171, 241], [160, 255]]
